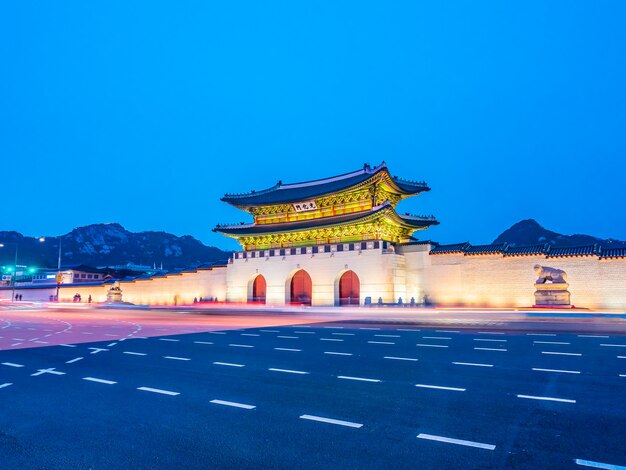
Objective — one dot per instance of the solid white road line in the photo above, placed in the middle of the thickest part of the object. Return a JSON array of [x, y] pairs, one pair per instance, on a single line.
[[561, 353], [360, 379], [557, 370], [102, 381], [232, 403], [331, 421], [168, 339], [380, 342], [228, 364], [472, 364], [337, 353], [71, 361], [5, 385], [614, 345], [492, 340], [288, 371], [11, 364], [158, 390], [592, 336], [177, 358], [441, 387], [330, 339], [550, 342], [592, 464], [435, 337], [460, 442], [432, 345], [288, 349], [241, 345], [203, 342], [540, 334], [491, 349], [134, 353], [401, 358], [532, 397]]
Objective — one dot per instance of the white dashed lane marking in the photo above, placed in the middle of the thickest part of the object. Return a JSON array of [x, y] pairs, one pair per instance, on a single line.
[[491, 349], [203, 342], [249, 334], [360, 379], [228, 364], [177, 358], [330, 339], [388, 336], [380, 342], [11, 364], [310, 332], [592, 464], [241, 345], [217, 332], [71, 361], [557, 370], [472, 364], [432, 345], [366, 328], [592, 336], [233, 404], [337, 353], [489, 333], [288, 349], [540, 334], [614, 345], [134, 353], [338, 422], [532, 397], [288, 337], [406, 329], [435, 337], [401, 358], [68, 345], [168, 339], [550, 342], [270, 331], [344, 334], [5, 385], [287, 371], [447, 331], [491, 340], [102, 381], [441, 387], [158, 390], [460, 442], [561, 353]]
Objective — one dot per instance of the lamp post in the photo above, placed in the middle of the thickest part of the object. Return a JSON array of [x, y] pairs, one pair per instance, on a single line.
[[58, 277], [14, 276]]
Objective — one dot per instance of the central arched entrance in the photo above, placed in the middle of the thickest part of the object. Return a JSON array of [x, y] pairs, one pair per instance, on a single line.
[[259, 288], [349, 289], [301, 288]]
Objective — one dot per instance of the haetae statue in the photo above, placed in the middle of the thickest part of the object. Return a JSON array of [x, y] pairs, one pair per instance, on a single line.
[[551, 287], [546, 274]]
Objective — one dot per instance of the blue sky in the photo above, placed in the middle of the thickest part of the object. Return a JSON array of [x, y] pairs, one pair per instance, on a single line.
[[146, 113]]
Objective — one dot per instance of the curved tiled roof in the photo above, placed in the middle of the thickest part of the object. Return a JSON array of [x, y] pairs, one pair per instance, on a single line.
[[286, 193], [255, 229], [613, 252], [485, 249], [449, 249], [588, 250], [541, 249]]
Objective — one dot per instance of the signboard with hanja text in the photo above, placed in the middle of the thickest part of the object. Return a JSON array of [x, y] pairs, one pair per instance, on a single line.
[[305, 206]]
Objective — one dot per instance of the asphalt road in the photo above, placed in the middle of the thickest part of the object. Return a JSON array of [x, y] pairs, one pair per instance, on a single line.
[[319, 395]]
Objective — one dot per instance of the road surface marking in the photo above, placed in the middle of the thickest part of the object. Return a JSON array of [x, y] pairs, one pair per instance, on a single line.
[[240, 345], [367, 328], [435, 337], [460, 442], [621, 357], [168, 339], [360, 379], [441, 387], [270, 331], [249, 334], [288, 337], [16, 344], [288, 349], [68, 345], [592, 336], [96, 350], [489, 333], [550, 342], [561, 353], [557, 370], [177, 358], [216, 332], [71, 361], [532, 397], [472, 364], [288, 371], [493, 340], [41, 342], [102, 381], [337, 353], [110, 334], [12, 364], [622, 375], [313, 332], [432, 345], [491, 349], [228, 364], [614, 345], [84, 332], [407, 329], [5, 385], [158, 390], [335, 327], [380, 342], [113, 344], [540, 334], [388, 336], [134, 353], [401, 358], [330, 339], [203, 342], [331, 421], [232, 403], [341, 334], [51, 370], [592, 464]]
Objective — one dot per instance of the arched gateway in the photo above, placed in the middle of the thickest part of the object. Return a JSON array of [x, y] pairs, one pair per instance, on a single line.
[[349, 289], [301, 288], [259, 288]]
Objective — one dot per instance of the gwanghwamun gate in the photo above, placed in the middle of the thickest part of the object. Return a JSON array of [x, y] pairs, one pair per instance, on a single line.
[[341, 241]]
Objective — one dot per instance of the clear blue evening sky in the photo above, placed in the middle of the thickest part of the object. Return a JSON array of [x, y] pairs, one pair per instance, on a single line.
[[146, 112]]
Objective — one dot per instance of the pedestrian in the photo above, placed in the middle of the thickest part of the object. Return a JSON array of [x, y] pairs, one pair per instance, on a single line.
[[89, 299]]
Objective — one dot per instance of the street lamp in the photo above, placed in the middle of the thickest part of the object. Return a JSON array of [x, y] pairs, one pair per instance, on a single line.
[[14, 276], [58, 278]]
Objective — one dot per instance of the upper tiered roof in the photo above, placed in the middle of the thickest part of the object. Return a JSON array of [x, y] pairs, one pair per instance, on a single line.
[[294, 192]]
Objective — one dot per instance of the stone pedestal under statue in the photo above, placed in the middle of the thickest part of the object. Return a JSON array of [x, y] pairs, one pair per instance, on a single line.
[[114, 294], [551, 287]]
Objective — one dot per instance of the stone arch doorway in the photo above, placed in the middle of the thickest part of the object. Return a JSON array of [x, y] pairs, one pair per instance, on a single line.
[[349, 289], [300, 288], [258, 291]]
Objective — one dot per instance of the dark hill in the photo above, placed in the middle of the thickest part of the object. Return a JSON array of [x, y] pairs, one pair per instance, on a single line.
[[529, 232], [110, 244]]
